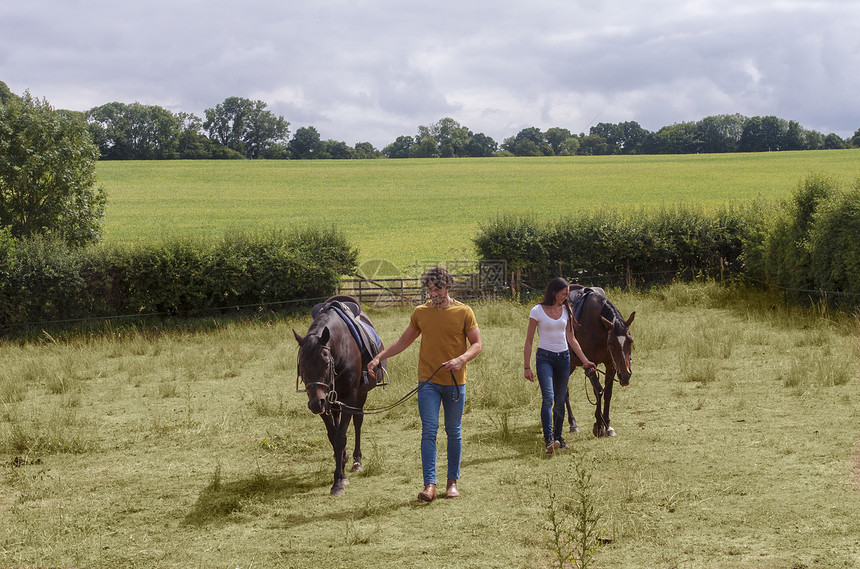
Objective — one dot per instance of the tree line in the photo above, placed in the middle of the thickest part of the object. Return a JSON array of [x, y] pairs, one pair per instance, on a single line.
[[243, 128]]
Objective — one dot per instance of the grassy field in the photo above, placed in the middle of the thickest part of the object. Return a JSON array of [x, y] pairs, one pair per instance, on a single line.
[[149, 446], [412, 211]]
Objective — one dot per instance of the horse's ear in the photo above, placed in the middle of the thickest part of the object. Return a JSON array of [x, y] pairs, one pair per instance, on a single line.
[[299, 338], [325, 336], [630, 320], [606, 323]]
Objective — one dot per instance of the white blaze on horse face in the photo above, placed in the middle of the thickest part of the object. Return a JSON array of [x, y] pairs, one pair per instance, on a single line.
[[622, 342]]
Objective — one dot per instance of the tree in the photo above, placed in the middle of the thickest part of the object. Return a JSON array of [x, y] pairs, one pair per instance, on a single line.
[[763, 134], [192, 143], [305, 144], [337, 150], [528, 142], [480, 145], [854, 141], [569, 147], [451, 138], [814, 140], [246, 126], [5, 93], [556, 137], [47, 173], [834, 142], [365, 150], [612, 134], [425, 148], [720, 133], [794, 137], [679, 138], [594, 145], [135, 131], [400, 148], [633, 137]]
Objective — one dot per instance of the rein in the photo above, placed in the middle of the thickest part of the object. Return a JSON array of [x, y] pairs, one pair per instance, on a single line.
[[587, 391], [597, 381], [332, 397], [349, 409]]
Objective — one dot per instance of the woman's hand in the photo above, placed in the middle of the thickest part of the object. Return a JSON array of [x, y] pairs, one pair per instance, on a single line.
[[371, 367], [527, 373]]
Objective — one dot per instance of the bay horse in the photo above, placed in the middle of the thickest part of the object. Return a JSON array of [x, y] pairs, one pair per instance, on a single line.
[[330, 364], [604, 336]]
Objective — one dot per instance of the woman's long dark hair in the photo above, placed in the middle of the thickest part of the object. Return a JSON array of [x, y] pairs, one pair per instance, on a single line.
[[552, 288]]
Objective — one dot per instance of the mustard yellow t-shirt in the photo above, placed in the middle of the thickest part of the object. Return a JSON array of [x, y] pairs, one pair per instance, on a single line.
[[443, 337]]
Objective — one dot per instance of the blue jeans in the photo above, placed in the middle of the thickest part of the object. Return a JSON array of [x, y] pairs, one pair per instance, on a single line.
[[553, 372], [451, 399]]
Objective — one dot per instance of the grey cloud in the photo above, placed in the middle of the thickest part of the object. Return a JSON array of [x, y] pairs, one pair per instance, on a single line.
[[376, 69]]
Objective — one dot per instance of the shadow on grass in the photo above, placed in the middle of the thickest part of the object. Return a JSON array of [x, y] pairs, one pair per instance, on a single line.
[[525, 441], [218, 501]]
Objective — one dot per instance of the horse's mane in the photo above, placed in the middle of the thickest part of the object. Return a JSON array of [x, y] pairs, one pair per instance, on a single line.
[[311, 342], [611, 313]]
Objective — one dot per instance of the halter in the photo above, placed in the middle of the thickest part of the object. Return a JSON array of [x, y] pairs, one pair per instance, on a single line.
[[329, 376]]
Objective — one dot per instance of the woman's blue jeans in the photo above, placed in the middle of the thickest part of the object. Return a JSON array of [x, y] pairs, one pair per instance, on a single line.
[[553, 372], [451, 398]]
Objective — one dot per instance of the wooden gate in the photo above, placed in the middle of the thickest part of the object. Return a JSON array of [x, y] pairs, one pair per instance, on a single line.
[[486, 279]]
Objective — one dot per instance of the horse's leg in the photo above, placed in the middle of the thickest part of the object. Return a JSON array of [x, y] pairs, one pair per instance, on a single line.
[[599, 428], [357, 421], [571, 420], [337, 437], [331, 427], [607, 397]]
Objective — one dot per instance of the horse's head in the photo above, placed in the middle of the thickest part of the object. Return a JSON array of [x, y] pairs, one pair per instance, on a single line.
[[620, 344], [316, 369]]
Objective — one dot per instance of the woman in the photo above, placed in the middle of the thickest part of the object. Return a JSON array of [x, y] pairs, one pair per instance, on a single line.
[[553, 320]]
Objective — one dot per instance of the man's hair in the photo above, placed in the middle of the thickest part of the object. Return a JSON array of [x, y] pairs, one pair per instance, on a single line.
[[439, 276]]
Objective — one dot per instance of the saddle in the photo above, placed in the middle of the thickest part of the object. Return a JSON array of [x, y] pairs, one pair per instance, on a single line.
[[578, 294], [359, 325]]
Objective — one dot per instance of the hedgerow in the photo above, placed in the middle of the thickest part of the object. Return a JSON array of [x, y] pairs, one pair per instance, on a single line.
[[643, 245], [805, 245], [44, 280]]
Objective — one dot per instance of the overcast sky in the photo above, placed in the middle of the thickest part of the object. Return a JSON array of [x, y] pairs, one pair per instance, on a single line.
[[372, 70]]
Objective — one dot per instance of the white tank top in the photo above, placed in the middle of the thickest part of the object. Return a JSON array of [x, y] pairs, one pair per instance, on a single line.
[[551, 333]]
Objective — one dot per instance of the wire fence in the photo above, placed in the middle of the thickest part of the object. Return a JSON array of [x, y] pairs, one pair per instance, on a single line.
[[471, 286]]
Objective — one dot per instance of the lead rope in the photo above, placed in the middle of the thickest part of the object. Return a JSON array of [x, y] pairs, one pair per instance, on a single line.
[[377, 410]]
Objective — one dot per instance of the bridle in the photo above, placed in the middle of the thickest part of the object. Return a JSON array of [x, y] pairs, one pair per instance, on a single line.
[[331, 397], [329, 376]]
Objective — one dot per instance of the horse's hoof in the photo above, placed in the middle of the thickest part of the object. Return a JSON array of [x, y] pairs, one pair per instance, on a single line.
[[610, 432], [356, 466], [336, 491], [574, 429]]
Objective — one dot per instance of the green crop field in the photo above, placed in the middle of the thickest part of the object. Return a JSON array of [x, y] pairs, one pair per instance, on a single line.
[[409, 211], [177, 443]]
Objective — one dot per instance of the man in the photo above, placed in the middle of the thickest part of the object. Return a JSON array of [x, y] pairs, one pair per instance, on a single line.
[[450, 338]]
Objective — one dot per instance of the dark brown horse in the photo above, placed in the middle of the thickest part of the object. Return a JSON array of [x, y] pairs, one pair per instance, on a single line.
[[330, 363], [604, 336]]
